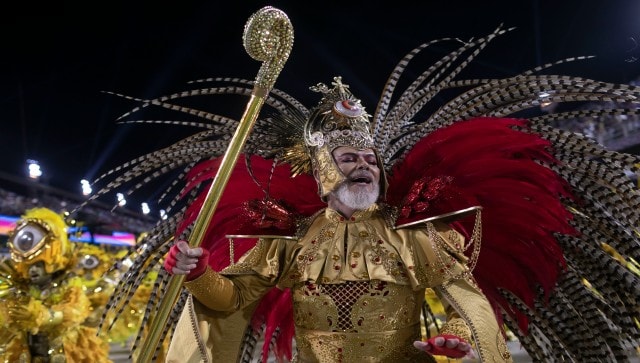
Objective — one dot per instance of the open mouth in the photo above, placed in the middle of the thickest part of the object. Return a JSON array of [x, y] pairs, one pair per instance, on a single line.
[[361, 179]]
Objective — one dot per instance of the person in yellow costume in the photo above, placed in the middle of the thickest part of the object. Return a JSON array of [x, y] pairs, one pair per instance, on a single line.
[[99, 272], [44, 307], [91, 266]]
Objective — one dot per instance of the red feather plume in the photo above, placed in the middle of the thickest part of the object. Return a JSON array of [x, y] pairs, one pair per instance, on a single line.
[[497, 164]]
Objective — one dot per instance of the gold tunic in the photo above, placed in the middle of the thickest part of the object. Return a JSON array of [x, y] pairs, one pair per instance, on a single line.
[[358, 288]]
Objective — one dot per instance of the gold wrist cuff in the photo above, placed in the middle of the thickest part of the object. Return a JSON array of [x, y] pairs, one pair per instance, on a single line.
[[213, 290], [203, 282], [457, 327]]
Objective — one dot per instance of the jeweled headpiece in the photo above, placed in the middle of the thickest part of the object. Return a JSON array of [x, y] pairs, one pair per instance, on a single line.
[[338, 120]]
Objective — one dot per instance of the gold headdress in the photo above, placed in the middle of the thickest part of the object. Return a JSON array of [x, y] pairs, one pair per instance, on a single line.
[[41, 235], [338, 120]]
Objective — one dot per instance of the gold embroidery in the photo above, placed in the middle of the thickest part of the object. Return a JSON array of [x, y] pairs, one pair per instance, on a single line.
[[380, 252], [457, 327], [445, 262], [246, 263], [503, 350], [356, 321], [210, 284]]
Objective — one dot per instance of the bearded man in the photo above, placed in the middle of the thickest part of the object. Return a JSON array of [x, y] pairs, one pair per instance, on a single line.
[[357, 281]]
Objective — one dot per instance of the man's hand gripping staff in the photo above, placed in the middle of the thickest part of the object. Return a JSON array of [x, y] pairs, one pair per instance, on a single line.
[[182, 260]]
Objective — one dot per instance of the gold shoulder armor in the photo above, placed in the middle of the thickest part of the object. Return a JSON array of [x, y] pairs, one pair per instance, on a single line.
[[444, 218]]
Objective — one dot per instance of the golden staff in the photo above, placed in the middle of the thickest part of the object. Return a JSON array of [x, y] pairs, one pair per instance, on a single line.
[[267, 37]]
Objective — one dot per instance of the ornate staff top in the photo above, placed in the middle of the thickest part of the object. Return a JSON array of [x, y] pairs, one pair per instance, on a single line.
[[268, 37]]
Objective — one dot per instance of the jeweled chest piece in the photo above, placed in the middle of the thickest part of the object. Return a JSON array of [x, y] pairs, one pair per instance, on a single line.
[[348, 108]]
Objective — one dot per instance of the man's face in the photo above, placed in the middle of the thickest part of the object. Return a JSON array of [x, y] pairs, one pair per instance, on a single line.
[[360, 167], [38, 274]]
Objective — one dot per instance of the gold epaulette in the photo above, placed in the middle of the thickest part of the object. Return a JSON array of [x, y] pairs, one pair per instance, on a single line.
[[444, 218]]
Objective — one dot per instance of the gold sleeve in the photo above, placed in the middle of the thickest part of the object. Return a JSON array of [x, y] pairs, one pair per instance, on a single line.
[[244, 282], [222, 293], [472, 306]]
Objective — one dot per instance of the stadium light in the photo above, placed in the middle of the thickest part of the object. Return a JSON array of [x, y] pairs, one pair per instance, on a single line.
[[86, 187], [145, 208], [34, 169], [121, 200]]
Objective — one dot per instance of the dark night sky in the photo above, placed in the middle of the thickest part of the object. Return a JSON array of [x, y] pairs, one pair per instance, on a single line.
[[56, 62]]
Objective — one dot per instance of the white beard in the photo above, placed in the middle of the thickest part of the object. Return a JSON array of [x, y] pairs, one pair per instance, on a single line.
[[359, 200]]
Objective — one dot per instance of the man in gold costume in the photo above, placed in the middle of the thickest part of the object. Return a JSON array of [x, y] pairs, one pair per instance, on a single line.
[[345, 269], [357, 280], [43, 308]]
